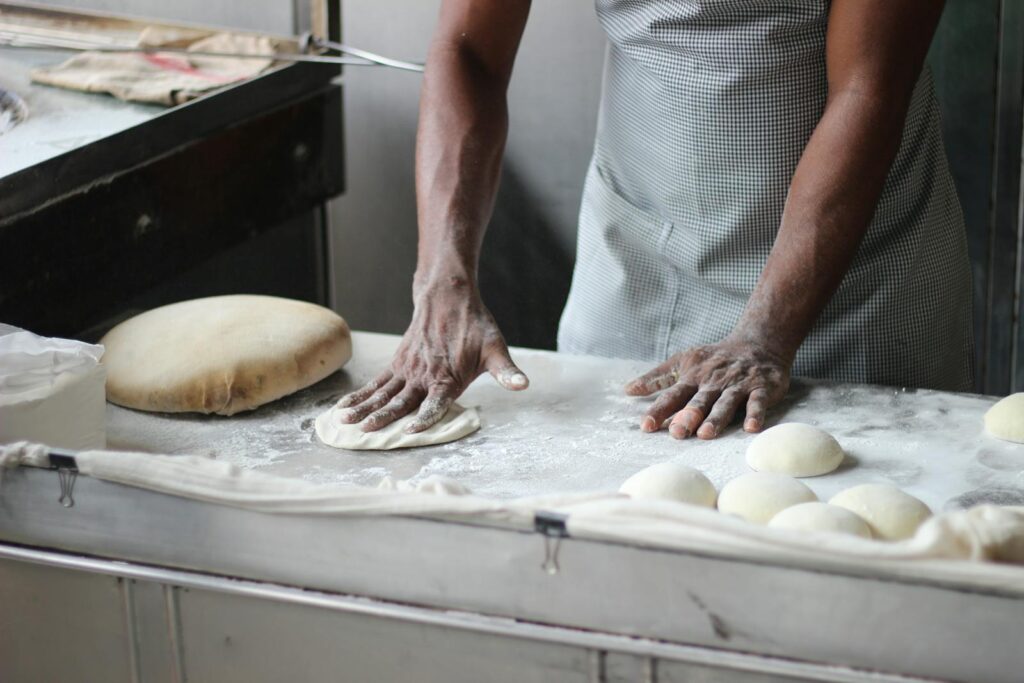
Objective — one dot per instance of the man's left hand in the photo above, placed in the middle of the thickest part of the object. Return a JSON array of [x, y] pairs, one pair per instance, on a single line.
[[703, 388]]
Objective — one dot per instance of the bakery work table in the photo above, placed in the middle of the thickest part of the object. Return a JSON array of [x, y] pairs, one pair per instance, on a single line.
[[575, 430], [140, 585]]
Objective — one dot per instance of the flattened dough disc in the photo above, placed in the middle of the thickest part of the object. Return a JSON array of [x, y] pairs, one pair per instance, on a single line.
[[456, 424]]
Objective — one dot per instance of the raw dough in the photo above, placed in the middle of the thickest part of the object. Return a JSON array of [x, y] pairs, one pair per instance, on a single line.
[[796, 449], [222, 354], [892, 514], [671, 481], [821, 517], [1005, 420], [457, 423], [759, 496]]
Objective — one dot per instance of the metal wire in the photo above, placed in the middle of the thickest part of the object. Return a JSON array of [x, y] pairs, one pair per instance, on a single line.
[[367, 55]]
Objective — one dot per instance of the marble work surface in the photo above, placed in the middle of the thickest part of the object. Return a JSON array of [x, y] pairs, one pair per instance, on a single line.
[[575, 430]]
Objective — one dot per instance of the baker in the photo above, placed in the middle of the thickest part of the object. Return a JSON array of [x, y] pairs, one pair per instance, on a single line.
[[768, 195]]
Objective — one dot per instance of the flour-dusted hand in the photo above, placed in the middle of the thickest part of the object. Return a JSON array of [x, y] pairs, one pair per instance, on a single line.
[[460, 139], [452, 340], [703, 388]]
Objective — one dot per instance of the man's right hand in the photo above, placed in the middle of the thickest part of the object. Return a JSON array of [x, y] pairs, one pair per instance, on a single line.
[[452, 340]]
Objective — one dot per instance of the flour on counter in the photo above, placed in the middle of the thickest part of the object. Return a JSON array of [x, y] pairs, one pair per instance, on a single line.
[[575, 430]]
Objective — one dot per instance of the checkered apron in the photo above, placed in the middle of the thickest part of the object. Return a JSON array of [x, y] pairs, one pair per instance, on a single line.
[[707, 108]]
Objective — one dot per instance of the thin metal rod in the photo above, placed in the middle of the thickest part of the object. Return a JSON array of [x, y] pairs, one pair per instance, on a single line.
[[131, 629], [367, 55]]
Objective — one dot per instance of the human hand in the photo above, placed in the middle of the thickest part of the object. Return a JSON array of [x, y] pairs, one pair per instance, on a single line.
[[703, 388], [452, 340]]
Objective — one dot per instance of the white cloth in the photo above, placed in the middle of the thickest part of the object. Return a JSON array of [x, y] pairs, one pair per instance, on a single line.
[[163, 78], [30, 364], [965, 545], [51, 390]]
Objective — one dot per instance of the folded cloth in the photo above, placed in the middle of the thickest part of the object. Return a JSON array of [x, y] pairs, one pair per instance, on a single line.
[[51, 390], [163, 78], [976, 546], [30, 365]]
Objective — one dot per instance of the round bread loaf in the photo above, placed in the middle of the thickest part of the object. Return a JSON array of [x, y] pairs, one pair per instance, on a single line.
[[222, 354]]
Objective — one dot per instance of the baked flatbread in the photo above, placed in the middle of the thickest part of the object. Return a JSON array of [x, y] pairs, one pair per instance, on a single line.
[[222, 354]]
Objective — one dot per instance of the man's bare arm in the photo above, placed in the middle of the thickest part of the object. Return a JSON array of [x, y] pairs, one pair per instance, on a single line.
[[874, 52], [462, 131], [452, 338]]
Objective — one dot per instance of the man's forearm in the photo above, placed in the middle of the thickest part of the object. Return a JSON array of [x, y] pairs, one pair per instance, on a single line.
[[874, 53], [831, 201], [461, 136]]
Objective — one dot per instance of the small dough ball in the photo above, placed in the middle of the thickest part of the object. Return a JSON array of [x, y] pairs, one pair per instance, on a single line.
[[796, 449], [759, 496], [821, 517], [671, 481], [892, 514], [1005, 420]]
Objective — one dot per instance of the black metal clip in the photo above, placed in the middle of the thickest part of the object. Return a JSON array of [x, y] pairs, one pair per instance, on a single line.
[[552, 526], [67, 472]]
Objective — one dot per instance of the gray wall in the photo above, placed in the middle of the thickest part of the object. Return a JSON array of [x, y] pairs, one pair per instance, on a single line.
[[272, 16], [530, 244]]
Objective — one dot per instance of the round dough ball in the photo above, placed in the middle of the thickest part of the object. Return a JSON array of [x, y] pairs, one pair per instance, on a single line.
[[892, 514], [1005, 420], [796, 449], [222, 354], [821, 517], [671, 481], [759, 496]]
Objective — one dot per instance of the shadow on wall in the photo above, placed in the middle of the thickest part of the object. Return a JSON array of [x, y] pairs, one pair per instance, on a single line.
[[524, 272]]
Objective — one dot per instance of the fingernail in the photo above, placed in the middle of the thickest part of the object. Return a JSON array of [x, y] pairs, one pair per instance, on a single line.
[[751, 425], [678, 431], [707, 432], [648, 424], [346, 416], [518, 380]]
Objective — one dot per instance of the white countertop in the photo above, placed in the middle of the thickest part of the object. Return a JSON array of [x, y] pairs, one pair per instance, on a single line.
[[575, 430]]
